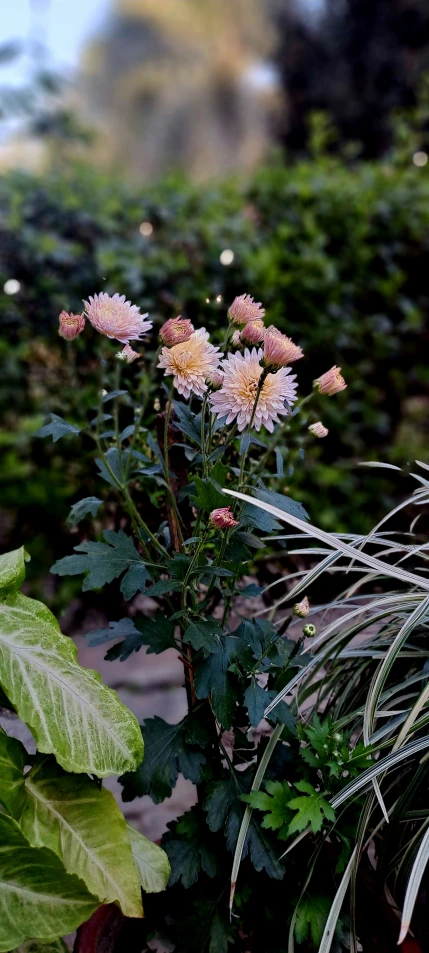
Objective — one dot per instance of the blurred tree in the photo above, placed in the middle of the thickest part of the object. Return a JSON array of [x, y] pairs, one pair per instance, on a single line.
[[183, 84], [359, 60]]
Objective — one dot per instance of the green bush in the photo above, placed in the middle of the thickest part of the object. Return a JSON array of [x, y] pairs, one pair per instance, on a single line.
[[339, 256]]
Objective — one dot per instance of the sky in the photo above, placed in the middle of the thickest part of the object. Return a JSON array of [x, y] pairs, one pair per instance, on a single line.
[[64, 25]]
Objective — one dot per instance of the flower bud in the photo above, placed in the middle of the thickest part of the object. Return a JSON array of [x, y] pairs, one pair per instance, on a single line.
[[279, 350], [176, 331], [253, 332], [127, 354], [331, 382], [244, 309], [318, 429], [71, 325], [223, 518], [309, 630], [216, 379], [236, 339], [302, 608]]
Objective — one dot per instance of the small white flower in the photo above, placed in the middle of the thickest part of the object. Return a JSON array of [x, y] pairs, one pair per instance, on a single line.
[[236, 398]]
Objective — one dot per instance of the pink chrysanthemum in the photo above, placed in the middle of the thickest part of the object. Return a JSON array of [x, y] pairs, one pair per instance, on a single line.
[[117, 318], [331, 382], [236, 398], [176, 331], [71, 325], [244, 309], [253, 332], [216, 379], [301, 609], [279, 350], [318, 429], [127, 354], [236, 339], [223, 518], [191, 363]]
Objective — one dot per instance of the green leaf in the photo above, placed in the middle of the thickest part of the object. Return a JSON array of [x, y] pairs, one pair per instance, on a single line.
[[80, 822], [275, 804], [203, 634], [70, 712], [311, 916], [113, 394], [42, 946], [167, 752], [12, 569], [255, 700], [106, 561], [312, 809], [157, 634], [13, 758], [209, 495], [56, 428], [163, 586], [283, 502], [188, 852], [224, 805], [220, 934], [213, 679], [188, 423], [151, 861], [81, 509], [116, 630], [37, 896], [114, 460]]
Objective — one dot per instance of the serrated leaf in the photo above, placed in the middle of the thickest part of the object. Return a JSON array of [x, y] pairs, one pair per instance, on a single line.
[[167, 752], [115, 630], [283, 502], [213, 679], [312, 809], [113, 394], [103, 562], [163, 586], [250, 591], [209, 495], [311, 915], [274, 803], [70, 712], [12, 569], [56, 428], [151, 861], [37, 895], [188, 422], [81, 509], [82, 824], [188, 852], [255, 700], [203, 634]]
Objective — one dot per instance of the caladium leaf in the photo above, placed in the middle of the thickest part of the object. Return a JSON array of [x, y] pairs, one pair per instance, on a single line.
[[70, 712], [36, 894], [78, 821], [151, 861], [12, 569]]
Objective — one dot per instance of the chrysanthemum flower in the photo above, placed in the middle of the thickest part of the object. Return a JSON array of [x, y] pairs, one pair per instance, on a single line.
[[71, 325], [331, 382], [318, 429], [127, 354], [253, 332], [236, 339], [301, 609], [223, 518], [236, 398], [191, 363], [216, 379], [176, 331], [244, 309], [117, 318], [279, 350]]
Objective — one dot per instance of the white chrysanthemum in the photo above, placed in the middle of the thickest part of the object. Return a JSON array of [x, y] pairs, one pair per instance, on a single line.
[[236, 398], [116, 318], [191, 363]]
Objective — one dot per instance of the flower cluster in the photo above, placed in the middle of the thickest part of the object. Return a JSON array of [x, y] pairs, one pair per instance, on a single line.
[[252, 387]]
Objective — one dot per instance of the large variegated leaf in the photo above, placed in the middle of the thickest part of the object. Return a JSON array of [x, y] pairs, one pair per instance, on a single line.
[[151, 861], [70, 712], [42, 946], [75, 818], [12, 569], [37, 895]]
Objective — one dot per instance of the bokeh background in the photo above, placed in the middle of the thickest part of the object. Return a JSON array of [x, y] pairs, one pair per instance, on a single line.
[[185, 151]]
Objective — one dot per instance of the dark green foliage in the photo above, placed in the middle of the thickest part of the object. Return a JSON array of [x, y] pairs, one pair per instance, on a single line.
[[81, 509], [56, 428], [167, 751], [106, 561]]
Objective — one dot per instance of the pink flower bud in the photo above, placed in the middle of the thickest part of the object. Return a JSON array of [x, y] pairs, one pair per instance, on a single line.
[[318, 429], [236, 339], [279, 350], [216, 379], [331, 382], [223, 518], [71, 325], [176, 331], [302, 608], [127, 354], [244, 309], [253, 332]]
